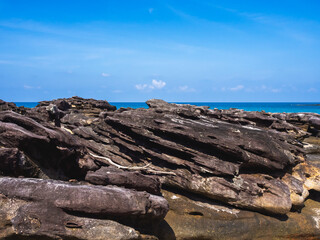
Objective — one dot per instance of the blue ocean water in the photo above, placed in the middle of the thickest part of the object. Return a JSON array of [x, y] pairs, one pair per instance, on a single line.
[[247, 106], [26, 104]]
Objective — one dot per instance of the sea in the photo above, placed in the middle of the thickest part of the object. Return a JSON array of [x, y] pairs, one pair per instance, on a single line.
[[313, 107]]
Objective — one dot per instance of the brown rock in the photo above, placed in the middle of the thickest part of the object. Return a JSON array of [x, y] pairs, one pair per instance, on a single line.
[[22, 219], [14, 163], [101, 200], [118, 177], [191, 217], [55, 150], [249, 160], [205, 156], [89, 107]]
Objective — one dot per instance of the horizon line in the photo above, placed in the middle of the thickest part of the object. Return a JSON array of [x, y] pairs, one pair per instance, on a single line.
[[181, 101]]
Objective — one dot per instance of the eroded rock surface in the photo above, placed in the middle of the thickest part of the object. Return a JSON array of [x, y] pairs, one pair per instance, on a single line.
[[86, 199], [26, 219], [263, 162], [118, 177], [191, 217], [90, 107], [236, 164]]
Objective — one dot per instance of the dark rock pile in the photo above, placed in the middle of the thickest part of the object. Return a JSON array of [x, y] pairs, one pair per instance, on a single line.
[[80, 169]]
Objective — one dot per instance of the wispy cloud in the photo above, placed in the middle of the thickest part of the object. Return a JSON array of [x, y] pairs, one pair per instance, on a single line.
[[32, 26], [6, 62], [270, 89], [200, 20], [150, 10], [117, 91], [237, 88], [59, 52], [155, 84], [253, 89], [31, 87], [186, 89], [87, 32], [105, 75], [275, 90], [312, 90], [263, 88], [284, 26], [141, 86]]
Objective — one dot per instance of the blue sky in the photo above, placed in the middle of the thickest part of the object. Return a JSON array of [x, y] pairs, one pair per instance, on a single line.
[[187, 50]]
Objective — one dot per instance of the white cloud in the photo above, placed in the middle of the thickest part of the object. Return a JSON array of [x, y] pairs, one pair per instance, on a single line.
[[6, 62], [233, 89], [186, 89], [31, 87], [237, 88], [252, 89], [269, 89], [183, 88], [105, 75], [312, 90], [117, 91], [155, 84], [158, 84], [275, 90], [141, 86], [150, 10]]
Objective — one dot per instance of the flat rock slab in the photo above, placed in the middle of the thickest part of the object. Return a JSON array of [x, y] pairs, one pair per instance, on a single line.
[[51, 209], [118, 177], [191, 217], [22, 219], [100, 200]]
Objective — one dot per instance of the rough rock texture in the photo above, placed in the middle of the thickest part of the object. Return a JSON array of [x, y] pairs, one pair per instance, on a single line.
[[55, 150], [50, 208], [89, 107], [239, 165], [25, 219], [118, 177], [102, 200], [299, 125], [7, 106], [15, 163], [267, 163], [191, 217]]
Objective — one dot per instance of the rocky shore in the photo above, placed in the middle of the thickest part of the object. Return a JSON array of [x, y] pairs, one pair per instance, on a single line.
[[81, 169]]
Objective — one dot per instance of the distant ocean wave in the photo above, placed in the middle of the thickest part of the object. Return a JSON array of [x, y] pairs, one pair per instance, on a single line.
[[247, 106]]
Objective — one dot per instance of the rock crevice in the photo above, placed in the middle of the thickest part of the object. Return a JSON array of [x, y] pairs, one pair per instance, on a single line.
[[94, 166]]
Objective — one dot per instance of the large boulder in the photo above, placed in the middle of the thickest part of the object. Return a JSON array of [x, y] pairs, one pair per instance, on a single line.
[[48, 209]]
